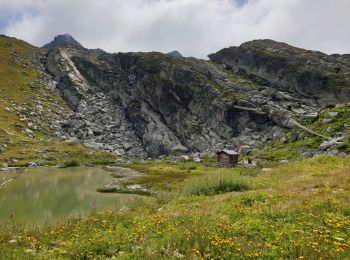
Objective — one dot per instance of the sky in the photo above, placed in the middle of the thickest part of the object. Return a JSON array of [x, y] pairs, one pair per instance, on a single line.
[[193, 27]]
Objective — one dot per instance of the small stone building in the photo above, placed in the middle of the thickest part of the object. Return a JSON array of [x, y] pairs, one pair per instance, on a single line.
[[227, 157]]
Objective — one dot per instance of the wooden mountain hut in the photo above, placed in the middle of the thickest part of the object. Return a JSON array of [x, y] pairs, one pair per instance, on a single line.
[[227, 157]]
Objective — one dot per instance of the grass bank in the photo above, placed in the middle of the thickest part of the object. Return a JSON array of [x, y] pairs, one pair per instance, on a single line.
[[295, 211], [215, 183]]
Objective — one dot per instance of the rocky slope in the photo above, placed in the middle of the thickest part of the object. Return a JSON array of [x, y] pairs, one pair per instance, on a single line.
[[308, 73], [30, 104], [153, 104]]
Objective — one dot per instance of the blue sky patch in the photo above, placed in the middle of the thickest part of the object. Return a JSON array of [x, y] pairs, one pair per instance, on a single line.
[[241, 2], [3, 25]]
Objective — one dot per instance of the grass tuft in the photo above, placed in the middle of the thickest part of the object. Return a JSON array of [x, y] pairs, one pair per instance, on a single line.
[[216, 183], [72, 163]]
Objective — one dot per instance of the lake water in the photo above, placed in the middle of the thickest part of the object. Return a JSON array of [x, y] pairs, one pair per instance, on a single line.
[[47, 195]]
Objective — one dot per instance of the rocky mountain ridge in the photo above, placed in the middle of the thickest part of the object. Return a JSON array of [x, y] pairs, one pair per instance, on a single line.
[[153, 104], [307, 73]]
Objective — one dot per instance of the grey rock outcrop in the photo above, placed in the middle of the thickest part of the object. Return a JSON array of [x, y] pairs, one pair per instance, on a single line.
[[290, 69], [145, 104], [63, 40], [175, 54]]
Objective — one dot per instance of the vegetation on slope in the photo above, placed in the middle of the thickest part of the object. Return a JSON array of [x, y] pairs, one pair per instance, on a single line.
[[23, 92], [298, 211], [332, 122], [53, 152]]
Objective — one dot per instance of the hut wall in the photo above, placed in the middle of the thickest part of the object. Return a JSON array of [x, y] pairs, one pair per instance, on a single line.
[[227, 159], [224, 158], [234, 158]]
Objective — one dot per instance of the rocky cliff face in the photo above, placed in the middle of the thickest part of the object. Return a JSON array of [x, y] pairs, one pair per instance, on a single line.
[[307, 73], [152, 104], [149, 104]]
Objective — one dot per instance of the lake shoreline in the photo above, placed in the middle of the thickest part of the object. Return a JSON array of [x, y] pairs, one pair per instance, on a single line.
[[41, 194]]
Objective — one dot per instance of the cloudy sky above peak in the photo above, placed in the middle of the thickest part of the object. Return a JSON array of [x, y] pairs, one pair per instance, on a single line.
[[194, 27]]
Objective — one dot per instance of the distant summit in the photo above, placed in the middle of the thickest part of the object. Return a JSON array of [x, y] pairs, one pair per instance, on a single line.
[[62, 41], [175, 54]]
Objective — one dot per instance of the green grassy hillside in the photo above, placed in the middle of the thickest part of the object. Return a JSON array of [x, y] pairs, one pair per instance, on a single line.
[[23, 91]]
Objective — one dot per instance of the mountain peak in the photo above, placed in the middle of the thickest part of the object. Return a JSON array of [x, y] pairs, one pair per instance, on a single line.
[[62, 40], [175, 54]]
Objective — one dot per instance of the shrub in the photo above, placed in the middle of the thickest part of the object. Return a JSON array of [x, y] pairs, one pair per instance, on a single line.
[[331, 104], [71, 163], [216, 183]]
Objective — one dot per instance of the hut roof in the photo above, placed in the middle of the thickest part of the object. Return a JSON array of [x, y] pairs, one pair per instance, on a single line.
[[230, 152]]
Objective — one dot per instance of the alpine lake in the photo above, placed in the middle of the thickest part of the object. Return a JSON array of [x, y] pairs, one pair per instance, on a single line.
[[47, 195]]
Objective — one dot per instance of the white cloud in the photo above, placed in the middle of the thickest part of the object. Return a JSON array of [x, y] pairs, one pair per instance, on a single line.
[[194, 27]]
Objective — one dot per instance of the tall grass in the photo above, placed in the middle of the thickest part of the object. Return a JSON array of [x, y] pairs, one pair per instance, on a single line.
[[216, 183], [71, 163]]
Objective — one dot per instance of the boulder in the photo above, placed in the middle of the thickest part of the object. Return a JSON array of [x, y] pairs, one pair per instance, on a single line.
[[4, 165], [197, 159], [332, 114], [178, 149], [185, 157], [32, 164], [330, 143]]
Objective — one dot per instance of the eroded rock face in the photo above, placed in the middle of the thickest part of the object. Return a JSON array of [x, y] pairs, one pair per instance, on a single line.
[[290, 69], [145, 104]]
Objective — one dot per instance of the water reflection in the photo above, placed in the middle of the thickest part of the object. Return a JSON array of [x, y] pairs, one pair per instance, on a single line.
[[46, 195]]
